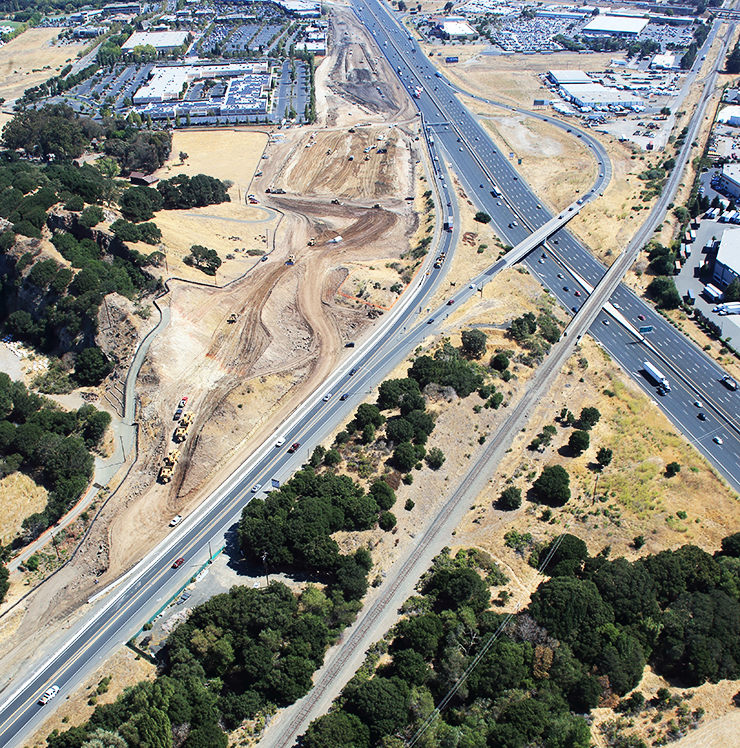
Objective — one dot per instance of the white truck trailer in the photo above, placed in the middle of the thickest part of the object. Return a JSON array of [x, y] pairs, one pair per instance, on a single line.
[[657, 376]]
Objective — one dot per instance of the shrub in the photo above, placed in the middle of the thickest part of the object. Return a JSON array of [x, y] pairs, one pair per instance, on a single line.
[[671, 469], [435, 458], [387, 521], [511, 498], [482, 217]]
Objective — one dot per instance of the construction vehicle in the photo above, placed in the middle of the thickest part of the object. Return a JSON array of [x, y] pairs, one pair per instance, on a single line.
[[312, 241], [290, 260], [181, 432], [172, 457], [233, 317], [165, 472]]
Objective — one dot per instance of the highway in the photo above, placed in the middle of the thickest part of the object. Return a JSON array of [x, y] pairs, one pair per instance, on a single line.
[[114, 618], [517, 212]]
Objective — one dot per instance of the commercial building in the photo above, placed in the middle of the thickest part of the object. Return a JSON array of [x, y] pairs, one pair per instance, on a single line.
[[730, 115], [729, 180], [595, 95], [727, 264], [666, 62], [162, 41], [604, 25], [168, 81], [566, 77], [456, 28], [301, 8]]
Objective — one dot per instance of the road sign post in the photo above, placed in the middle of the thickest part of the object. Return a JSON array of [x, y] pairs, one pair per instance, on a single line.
[[646, 329]]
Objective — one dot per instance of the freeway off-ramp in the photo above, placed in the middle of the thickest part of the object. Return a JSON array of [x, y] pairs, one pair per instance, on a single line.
[[140, 597]]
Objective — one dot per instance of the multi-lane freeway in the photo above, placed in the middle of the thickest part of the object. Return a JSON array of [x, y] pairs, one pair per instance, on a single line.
[[486, 171], [495, 186]]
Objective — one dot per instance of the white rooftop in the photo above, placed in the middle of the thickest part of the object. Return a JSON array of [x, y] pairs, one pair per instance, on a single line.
[[157, 39], [458, 28], [615, 25], [729, 249], [729, 114], [568, 76]]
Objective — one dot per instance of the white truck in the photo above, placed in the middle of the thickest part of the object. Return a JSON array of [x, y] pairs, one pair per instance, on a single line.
[[732, 307], [656, 375]]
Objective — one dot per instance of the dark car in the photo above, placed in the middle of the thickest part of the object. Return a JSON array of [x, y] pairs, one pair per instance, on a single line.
[[344, 396], [702, 416], [430, 320], [566, 288], [180, 561], [293, 447], [353, 372], [450, 302], [350, 344]]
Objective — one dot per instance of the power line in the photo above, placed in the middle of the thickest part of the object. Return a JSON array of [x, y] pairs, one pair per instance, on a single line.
[[427, 723]]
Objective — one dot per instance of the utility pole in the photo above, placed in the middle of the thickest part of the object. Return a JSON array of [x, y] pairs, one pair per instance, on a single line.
[[123, 449], [264, 561], [210, 553]]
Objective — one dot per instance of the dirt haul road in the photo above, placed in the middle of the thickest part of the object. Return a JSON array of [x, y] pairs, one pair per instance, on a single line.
[[291, 324]]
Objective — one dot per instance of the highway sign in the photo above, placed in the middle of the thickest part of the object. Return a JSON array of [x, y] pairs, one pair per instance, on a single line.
[[646, 328]]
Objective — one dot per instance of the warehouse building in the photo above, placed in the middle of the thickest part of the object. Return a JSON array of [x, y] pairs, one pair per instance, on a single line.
[[566, 77], [730, 115], [729, 180], [456, 28], [595, 95], [624, 26], [727, 264]]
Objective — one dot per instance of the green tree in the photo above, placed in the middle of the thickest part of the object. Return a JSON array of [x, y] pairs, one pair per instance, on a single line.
[[474, 342], [664, 291], [383, 494], [43, 273], [511, 498], [91, 216], [604, 456], [92, 366], [589, 418], [338, 729], [482, 217], [732, 64], [404, 457], [332, 458], [671, 469], [731, 545], [381, 704], [206, 260], [387, 521], [579, 442], [368, 413], [553, 485], [393, 392], [500, 362]]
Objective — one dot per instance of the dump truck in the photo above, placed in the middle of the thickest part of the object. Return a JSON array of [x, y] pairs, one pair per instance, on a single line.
[[656, 375], [165, 474], [181, 432], [172, 457]]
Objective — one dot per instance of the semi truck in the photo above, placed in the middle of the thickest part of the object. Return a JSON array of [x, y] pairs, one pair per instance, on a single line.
[[449, 223], [732, 307], [656, 375]]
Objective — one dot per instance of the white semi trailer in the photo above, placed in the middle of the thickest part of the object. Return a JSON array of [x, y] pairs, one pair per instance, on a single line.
[[657, 375]]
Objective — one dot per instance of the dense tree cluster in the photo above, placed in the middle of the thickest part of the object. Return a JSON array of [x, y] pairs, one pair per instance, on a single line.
[[588, 632], [182, 192], [536, 334], [664, 291], [53, 130], [206, 260], [138, 150], [48, 444], [448, 369], [293, 526]]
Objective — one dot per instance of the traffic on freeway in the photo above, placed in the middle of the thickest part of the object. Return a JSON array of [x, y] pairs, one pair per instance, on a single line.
[[452, 121]]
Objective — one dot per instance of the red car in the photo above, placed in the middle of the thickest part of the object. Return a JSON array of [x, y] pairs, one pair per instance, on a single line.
[[293, 447], [180, 561], [641, 317], [577, 293], [450, 302]]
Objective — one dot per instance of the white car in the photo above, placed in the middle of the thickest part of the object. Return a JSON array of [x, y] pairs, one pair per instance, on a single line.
[[176, 520], [256, 487], [717, 440], [327, 396], [48, 695], [280, 442]]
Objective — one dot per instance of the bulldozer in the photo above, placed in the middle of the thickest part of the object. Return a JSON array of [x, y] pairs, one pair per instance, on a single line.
[[312, 241], [233, 317], [172, 457], [165, 474]]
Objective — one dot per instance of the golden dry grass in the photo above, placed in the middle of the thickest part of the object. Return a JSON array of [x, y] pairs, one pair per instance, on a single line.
[[27, 61], [19, 498]]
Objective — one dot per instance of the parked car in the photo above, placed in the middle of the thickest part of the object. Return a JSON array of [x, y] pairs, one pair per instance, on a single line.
[[176, 520]]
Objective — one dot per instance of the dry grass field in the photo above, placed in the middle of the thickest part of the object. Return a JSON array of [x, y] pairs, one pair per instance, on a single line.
[[19, 498], [27, 61]]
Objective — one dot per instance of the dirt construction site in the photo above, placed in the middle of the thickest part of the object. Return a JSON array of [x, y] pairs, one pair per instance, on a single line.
[[247, 349]]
